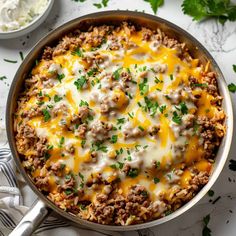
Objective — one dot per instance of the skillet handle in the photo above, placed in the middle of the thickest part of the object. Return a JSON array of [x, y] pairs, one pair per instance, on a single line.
[[31, 220]]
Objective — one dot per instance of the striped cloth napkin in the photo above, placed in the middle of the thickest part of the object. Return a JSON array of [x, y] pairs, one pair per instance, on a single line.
[[14, 194]]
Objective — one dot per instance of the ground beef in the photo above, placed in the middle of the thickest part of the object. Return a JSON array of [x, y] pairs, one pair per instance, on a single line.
[[100, 130]]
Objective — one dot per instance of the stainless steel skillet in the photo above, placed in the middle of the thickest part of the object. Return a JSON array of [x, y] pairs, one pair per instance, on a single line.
[[41, 208]]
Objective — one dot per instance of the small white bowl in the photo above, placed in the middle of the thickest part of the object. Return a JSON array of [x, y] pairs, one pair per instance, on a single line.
[[29, 27]]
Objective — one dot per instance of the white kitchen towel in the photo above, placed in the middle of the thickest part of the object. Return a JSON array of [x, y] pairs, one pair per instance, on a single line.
[[12, 207]]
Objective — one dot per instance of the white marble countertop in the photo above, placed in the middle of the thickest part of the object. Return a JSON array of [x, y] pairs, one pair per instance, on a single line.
[[219, 40]]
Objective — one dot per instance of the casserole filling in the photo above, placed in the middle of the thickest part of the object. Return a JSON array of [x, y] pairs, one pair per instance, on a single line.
[[119, 124]]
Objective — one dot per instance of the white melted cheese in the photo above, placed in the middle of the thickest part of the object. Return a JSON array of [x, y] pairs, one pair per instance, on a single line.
[[142, 152]]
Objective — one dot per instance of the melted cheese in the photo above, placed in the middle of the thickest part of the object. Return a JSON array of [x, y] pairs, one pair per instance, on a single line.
[[141, 152]]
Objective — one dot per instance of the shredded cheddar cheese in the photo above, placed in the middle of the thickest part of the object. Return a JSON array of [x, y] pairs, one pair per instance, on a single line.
[[126, 112]]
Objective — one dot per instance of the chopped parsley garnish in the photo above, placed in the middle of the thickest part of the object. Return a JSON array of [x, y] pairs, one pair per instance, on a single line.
[[156, 180], [210, 193], [131, 115], [98, 147], [61, 142], [60, 77], [200, 85], [68, 191], [57, 98], [40, 103], [47, 156], [49, 147], [206, 231], [120, 121], [102, 4], [21, 55], [118, 152], [157, 81], [81, 176], [183, 108], [137, 147], [232, 88], [118, 165], [46, 115], [83, 143], [62, 166], [144, 193], [83, 103], [129, 158], [141, 128], [171, 77], [234, 68], [157, 164], [114, 138], [79, 83], [133, 173], [3, 77], [150, 106], [116, 74], [162, 108], [77, 52], [10, 61], [92, 72], [143, 87], [68, 177], [176, 118]]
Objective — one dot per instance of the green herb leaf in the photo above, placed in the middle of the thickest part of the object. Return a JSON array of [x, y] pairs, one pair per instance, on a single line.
[[77, 52], [150, 106], [62, 141], [206, 219], [114, 138], [3, 77], [171, 77], [118, 165], [133, 173], [68, 191], [46, 115], [210, 193], [141, 128], [57, 98], [99, 147], [200, 85], [81, 176], [83, 103], [60, 77], [176, 118], [98, 5], [83, 143], [120, 121], [155, 4], [79, 83], [206, 231], [234, 68], [201, 9], [143, 87], [162, 108], [21, 55], [47, 155], [104, 2], [232, 88], [183, 108], [92, 72], [10, 61], [156, 180], [116, 74]]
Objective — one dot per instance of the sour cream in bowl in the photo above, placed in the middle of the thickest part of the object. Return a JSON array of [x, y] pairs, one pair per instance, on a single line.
[[19, 17]]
